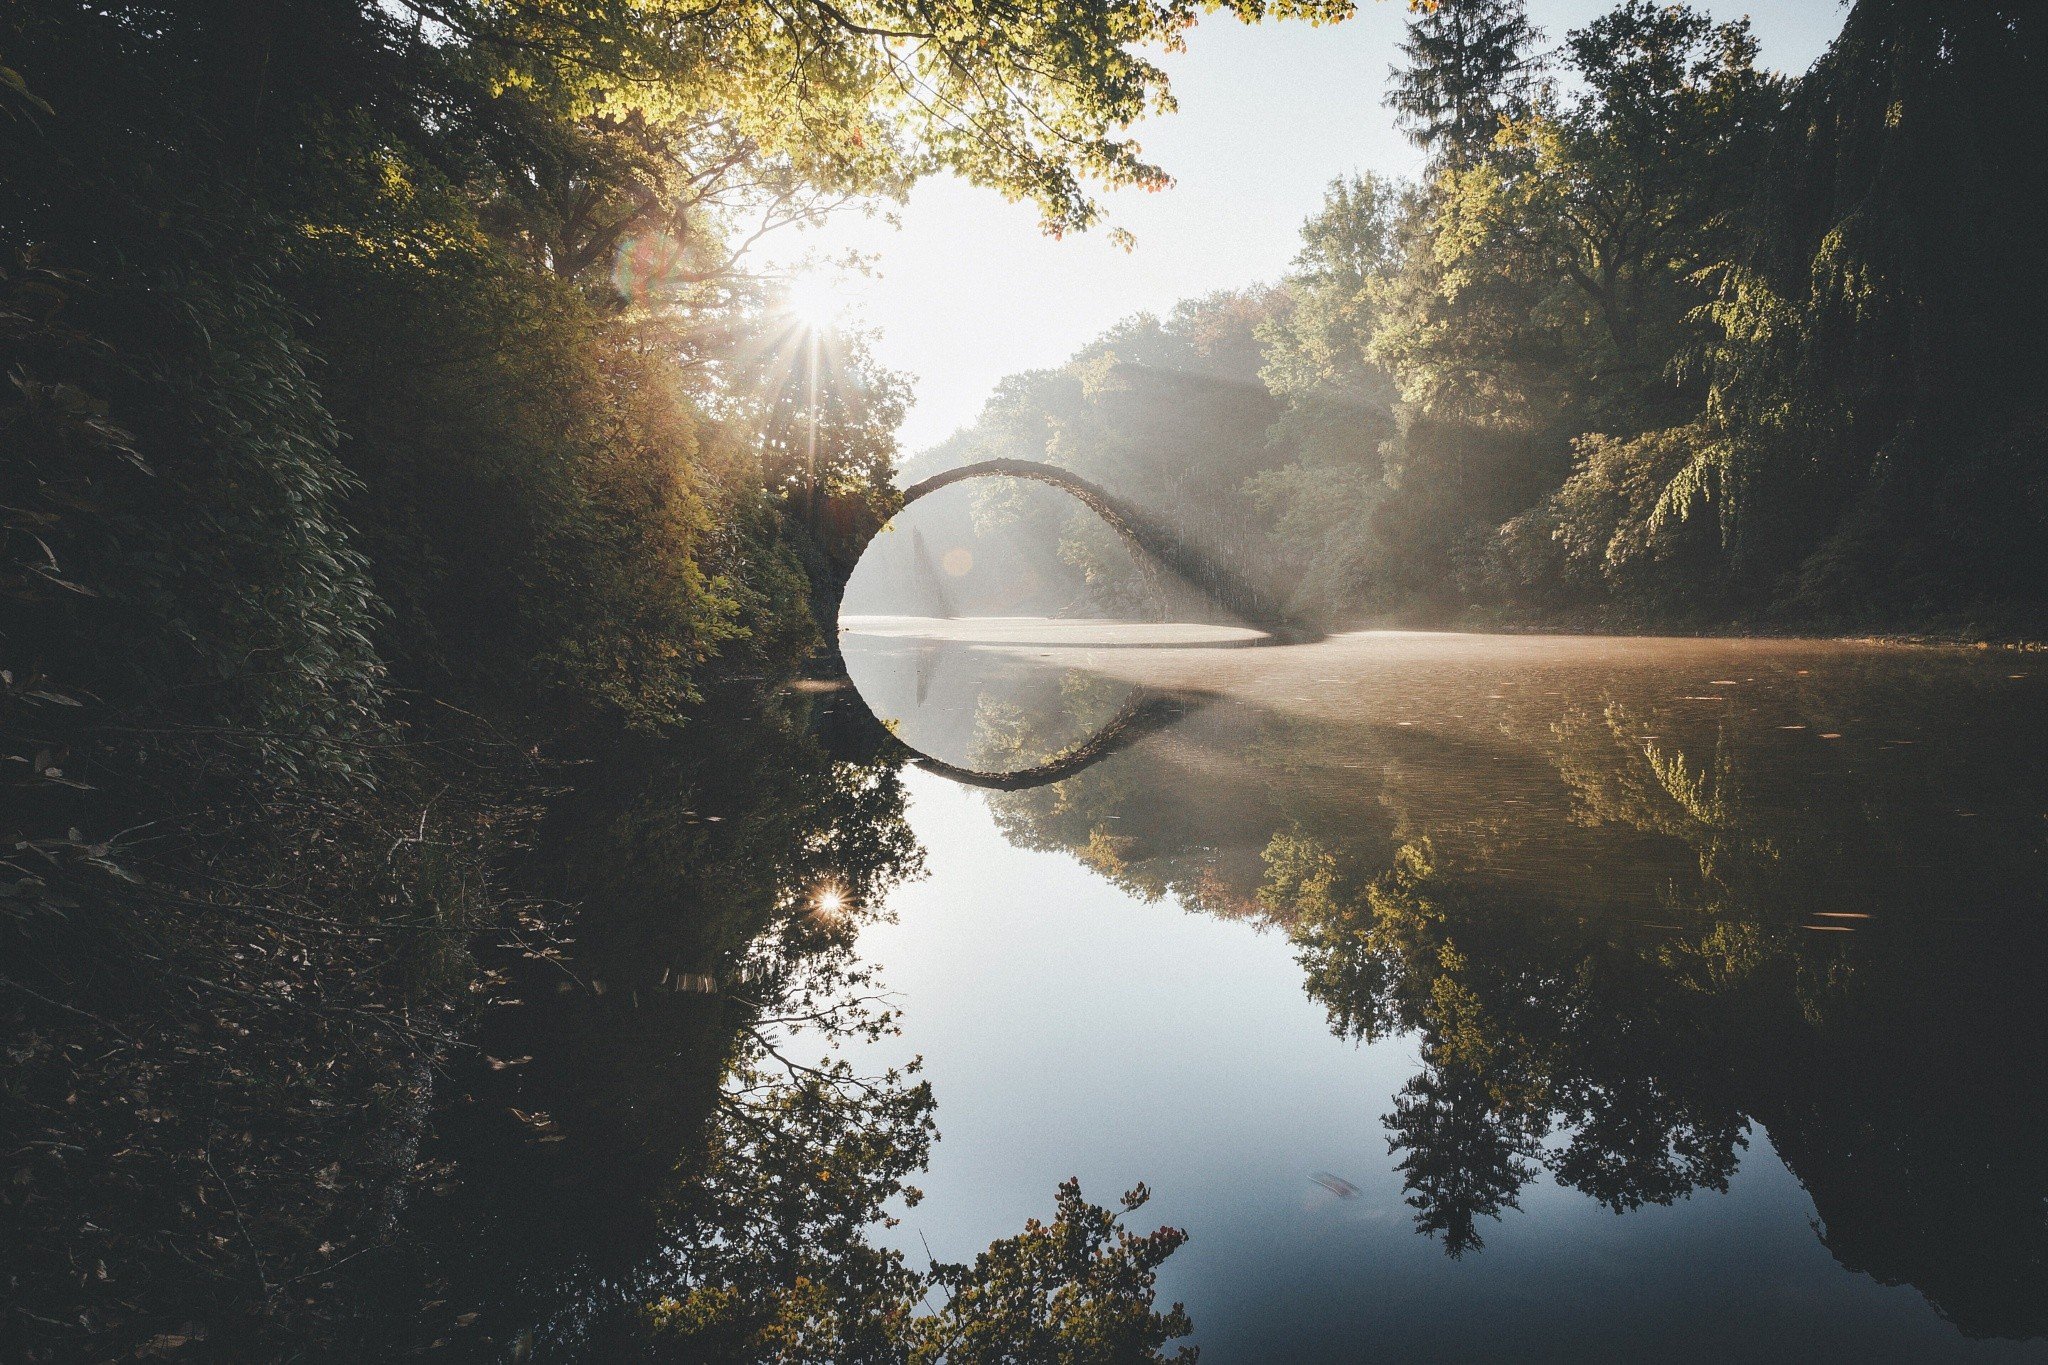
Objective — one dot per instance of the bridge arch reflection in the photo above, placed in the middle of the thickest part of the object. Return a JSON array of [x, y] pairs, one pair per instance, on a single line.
[[1147, 712]]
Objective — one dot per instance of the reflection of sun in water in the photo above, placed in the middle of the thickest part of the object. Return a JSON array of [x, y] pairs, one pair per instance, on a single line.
[[815, 300], [958, 561]]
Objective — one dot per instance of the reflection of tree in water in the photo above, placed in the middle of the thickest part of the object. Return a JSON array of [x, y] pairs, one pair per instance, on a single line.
[[1111, 815], [1616, 932], [1067, 814], [1465, 1158], [769, 1256], [1652, 1051], [1527, 1026], [1010, 735], [656, 1159]]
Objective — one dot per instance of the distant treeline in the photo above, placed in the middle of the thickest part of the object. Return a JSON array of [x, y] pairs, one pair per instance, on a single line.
[[1660, 338]]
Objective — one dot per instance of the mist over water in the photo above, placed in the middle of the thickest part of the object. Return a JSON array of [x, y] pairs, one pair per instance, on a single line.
[[1497, 996]]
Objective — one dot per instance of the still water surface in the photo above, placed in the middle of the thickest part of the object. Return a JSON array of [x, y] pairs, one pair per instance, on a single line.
[[1487, 997], [1463, 997]]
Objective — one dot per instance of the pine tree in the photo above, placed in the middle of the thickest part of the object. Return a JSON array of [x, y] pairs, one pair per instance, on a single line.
[[1470, 65]]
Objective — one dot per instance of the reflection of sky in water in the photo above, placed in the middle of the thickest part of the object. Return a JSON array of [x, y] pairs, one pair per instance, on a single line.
[[1072, 1027], [1001, 695], [1070, 1031]]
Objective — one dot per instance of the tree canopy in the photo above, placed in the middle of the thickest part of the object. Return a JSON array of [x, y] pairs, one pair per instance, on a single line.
[[1660, 338]]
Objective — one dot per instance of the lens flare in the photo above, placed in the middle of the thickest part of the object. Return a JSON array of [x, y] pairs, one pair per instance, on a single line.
[[815, 301]]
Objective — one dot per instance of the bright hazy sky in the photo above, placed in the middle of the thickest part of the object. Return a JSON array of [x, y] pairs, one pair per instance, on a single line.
[[968, 290]]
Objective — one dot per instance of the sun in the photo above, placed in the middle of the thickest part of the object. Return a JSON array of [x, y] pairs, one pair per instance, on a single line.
[[831, 902], [814, 300]]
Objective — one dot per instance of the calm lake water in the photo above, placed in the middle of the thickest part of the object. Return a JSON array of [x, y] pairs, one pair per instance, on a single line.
[[1463, 997], [1478, 997]]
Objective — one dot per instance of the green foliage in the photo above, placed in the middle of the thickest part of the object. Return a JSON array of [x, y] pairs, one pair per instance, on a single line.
[[1555, 271], [1670, 340], [1312, 889], [1875, 355], [387, 407], [258, 571], [779, 1263], [798, 1282], [1075, 1291], [1623, 527], [1316, 342], [530, 497], [665, 102], [1469, 70], [176, 511]]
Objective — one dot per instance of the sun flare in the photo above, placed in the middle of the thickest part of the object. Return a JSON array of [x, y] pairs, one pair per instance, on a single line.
[[815, 301]]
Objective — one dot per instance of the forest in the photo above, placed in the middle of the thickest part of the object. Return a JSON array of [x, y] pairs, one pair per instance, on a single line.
[[399, 429], [1660, 340]]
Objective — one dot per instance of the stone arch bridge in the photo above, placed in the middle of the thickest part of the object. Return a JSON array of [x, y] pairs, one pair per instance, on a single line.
[[1154, 541]]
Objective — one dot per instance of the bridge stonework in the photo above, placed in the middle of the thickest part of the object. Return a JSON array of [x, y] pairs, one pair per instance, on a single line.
[[1152, 540]]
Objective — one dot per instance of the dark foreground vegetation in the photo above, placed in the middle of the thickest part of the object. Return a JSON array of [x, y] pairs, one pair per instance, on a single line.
[[395, 436], [1660, 339]]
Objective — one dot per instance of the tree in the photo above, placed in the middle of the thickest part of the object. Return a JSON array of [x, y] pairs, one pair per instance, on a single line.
[[1875, 353], [1576, 245], [1316, 341], [1470, 69], [1640, 171], [1075, 1291], [1464, 1159], [854, 97], [1550, 289], [1329, 442]]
